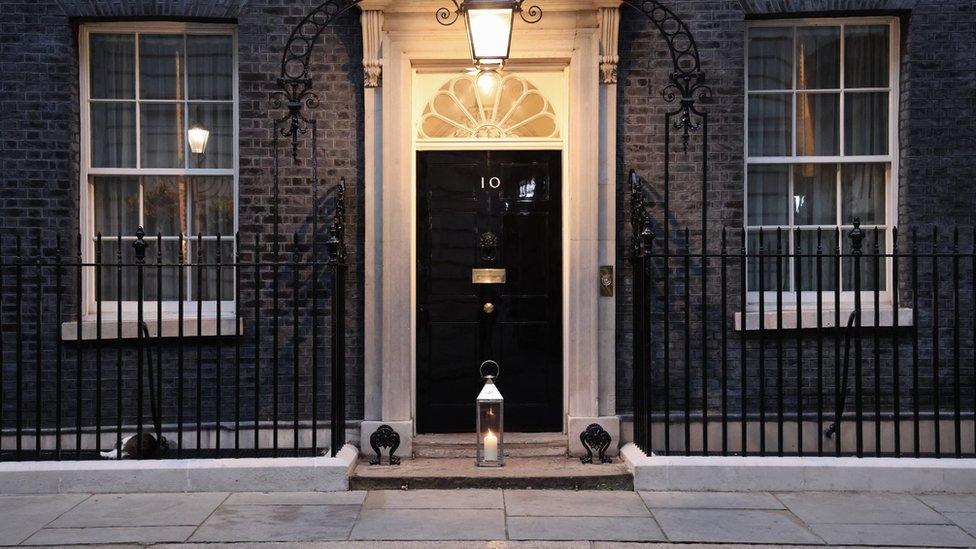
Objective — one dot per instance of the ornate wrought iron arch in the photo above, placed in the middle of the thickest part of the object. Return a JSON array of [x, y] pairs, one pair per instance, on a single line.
[[295, 80], [686, 83]]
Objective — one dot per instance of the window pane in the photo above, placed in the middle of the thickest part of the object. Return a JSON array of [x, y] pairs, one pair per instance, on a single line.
[[769, 190], [112, 66], [762, 257], [807, 273], [113, 143], [863, 193], [116, 203], [815, 194], [162, 135], [218, 119], [866, 123], [817, 124], [168, 275], [817, 58], [116, 280], [161, 66], [770, 58], [866, 56], [207, 286], [213, 205], [871, 263], [770, 131], [210, 67], [164, 199]]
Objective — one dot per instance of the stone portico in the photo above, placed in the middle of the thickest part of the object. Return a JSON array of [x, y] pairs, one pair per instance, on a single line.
[[575, 45]]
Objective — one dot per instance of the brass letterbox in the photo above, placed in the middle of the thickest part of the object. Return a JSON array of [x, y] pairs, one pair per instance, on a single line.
[[487, 276]]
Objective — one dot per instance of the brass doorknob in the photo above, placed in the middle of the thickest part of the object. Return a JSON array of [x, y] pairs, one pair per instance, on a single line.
[[488, 308]]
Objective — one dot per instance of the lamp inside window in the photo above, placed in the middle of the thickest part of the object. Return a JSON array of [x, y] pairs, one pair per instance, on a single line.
[[197, 136]]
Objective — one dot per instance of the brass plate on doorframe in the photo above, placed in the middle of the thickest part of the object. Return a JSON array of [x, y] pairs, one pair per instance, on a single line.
[[487, 276]]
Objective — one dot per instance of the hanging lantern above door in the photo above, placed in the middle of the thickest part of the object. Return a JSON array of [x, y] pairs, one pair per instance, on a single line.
[[489, 24]]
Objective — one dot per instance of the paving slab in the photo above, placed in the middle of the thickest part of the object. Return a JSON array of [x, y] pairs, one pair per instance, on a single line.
[[629, 545], [113, 534], [920, 535], [21, 516], [434, 499], [859, 508], [561, 503], [584, 528], [296, 498], [233, 523], [387, 545], [732, 526], [967, 521], [711, 500], [950, 502], [105, 510], [430, 524], [106, 546]]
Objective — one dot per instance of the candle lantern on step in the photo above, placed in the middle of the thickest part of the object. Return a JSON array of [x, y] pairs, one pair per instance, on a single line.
[[489, 410]]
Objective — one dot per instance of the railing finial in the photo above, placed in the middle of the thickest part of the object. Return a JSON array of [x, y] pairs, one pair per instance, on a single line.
[[140, 245], [857, 237]]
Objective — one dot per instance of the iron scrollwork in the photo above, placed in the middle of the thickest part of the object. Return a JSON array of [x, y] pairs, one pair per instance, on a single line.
[[640, 221], [447, 17], [385, 437], [337, 238], [295, 80], [686, 83], [596, 438]]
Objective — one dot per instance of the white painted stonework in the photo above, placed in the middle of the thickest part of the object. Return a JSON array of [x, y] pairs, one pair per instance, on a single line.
[[566, 48], [316, 474], [798, 474]]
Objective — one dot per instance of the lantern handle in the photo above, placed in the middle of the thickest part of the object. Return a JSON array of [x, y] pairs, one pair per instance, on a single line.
[[498, 369]]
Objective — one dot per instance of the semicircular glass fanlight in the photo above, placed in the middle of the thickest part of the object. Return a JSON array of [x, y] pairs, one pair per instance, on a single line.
[[513, 108]]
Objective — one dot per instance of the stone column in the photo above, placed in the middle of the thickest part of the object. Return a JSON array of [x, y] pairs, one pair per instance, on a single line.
[[387, 364], [599, 405]]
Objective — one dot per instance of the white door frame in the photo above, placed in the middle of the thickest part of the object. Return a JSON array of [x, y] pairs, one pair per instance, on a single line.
[[565, 38]]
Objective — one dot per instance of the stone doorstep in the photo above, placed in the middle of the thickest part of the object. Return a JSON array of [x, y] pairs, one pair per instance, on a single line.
[[798, 474], [319, 474], [557, 473], [517, 445]]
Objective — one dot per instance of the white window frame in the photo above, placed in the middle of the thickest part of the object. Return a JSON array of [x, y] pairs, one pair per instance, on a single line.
[[828, 297], [109, 308]]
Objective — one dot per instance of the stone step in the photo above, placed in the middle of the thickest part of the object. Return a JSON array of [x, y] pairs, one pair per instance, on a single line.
[[462, 445], [553, 473]]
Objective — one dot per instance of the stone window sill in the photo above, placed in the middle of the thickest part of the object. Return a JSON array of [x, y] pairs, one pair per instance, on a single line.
[[170, 327], [808, 320]]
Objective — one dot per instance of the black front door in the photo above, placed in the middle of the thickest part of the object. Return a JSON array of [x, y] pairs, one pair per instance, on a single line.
[[479, 213]]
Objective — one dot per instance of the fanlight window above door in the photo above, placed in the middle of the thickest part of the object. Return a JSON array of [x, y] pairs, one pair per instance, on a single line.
[[514, 108]]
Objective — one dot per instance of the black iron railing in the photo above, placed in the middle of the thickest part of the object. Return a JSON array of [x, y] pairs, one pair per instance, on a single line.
[[250, 362], [847, 341]]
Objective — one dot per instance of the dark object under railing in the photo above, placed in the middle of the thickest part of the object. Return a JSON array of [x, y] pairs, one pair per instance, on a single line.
[[832, 428]]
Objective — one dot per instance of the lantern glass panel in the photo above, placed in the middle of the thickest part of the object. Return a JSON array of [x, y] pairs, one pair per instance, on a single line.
[[490, 434], [490, 31]]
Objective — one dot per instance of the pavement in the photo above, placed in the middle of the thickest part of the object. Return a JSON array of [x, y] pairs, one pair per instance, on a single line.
[[494, 519]]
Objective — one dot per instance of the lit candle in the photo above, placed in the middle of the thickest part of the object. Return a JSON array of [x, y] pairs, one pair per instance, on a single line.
[[491, 446]]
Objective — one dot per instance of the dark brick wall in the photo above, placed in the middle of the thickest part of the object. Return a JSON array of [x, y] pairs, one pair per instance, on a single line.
[[40, 189], [39, 160], [936, 186]]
